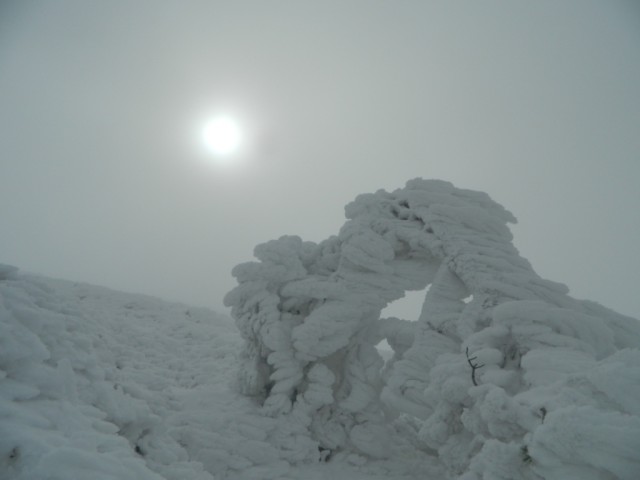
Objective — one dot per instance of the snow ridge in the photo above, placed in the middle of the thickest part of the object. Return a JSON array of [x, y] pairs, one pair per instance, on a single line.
[[502, 376]]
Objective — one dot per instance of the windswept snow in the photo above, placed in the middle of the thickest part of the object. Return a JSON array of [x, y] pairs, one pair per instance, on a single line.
[[106, 385]]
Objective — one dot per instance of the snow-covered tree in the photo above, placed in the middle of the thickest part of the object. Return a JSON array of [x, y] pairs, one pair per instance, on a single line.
[[502, 376]]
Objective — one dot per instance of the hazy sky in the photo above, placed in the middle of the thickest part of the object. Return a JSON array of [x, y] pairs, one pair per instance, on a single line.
[[103, 177]]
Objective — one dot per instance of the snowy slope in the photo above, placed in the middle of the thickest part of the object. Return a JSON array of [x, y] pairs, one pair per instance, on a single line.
[[106, 385]]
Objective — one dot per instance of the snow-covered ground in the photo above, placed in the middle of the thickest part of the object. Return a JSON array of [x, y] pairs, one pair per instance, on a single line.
[[106, 385], [101, 384], [504, 376]]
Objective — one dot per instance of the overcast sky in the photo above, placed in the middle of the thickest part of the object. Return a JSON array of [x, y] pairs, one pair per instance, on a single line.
[[103, 177]]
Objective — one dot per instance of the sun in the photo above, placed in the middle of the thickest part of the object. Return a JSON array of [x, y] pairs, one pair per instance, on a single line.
[[222, 136]]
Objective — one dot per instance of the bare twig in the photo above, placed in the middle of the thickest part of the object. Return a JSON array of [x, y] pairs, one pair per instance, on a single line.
[[474, 366], [543, 413], [526, 458]]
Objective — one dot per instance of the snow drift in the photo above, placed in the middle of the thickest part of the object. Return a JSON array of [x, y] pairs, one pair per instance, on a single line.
[[503, 375]]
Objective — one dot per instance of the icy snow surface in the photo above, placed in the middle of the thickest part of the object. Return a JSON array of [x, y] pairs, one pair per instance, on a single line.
[[97, 384]]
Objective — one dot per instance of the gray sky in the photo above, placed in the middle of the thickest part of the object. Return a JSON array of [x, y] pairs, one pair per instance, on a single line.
[[103, 177]]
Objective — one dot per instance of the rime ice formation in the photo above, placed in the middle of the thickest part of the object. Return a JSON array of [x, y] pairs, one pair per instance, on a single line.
[[503, 375]]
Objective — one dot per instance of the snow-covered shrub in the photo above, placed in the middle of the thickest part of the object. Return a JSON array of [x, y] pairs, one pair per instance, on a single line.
[[498, 371]]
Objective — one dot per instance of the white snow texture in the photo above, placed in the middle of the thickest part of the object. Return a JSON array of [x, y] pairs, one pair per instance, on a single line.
[[503, 376]]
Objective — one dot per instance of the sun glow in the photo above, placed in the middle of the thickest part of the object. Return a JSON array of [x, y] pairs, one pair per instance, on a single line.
[[222, 136]]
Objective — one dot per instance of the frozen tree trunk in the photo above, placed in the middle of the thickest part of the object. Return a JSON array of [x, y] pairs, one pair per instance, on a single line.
[[487, 369]]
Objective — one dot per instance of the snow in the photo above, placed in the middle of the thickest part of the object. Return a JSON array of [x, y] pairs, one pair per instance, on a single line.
[[101, 384], [495, 350], [502, 376]]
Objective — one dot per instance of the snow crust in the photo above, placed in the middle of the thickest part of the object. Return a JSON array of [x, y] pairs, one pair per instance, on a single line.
[[502, 376]]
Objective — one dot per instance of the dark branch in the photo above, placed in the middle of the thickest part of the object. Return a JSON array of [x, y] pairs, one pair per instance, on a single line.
[[474, 366]]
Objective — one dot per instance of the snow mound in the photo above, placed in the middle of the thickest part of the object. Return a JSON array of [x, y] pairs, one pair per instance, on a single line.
[[503, 375]]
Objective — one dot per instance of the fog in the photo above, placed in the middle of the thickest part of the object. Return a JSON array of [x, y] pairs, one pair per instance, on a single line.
[[104, 179]]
